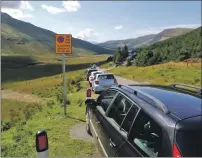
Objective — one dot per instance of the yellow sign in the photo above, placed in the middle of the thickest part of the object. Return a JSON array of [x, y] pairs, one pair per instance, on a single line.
[[63, 43]]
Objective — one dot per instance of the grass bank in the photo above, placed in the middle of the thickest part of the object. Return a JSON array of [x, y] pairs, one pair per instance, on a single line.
[[22, 120], [163, 73]]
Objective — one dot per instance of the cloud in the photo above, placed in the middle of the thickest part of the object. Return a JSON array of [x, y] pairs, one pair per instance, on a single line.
[[52, 10], [67, 6], [155, 30], [16, 13], [118, 27], [25, 5], [71, 6], [87, 34], [16, 9]]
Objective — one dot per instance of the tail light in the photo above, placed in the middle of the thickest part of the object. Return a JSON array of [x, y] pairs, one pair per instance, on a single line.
[[41, 142], [115, 81], [88, 93], [96, 82], [176, 152]]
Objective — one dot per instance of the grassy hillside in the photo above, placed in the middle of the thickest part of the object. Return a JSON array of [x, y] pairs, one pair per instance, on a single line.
[[145, 40], [174, 49], [21, 120], [167, 73], [20, 37]]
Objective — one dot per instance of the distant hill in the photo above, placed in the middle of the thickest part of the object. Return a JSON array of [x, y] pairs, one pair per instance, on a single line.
[[20, 37], [145, 40], [177, 48]]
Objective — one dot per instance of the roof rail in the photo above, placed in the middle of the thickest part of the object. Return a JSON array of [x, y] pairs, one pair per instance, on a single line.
[[146, 97], [198, 89]]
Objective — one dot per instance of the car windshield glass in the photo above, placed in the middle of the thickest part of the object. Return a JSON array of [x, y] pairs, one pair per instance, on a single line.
[[104, 77], [190, 143], [97, 73]]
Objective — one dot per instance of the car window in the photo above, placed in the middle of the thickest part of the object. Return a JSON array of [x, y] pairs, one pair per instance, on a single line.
[[119, 109], [105, 99], [126, 125], [146, 136], [103, 77]]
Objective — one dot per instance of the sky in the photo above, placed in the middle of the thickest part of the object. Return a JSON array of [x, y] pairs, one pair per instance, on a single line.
[[106, 20]]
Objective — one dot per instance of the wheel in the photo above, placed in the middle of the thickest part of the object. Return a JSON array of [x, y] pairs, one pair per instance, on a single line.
[[88, 123], [90, 84]]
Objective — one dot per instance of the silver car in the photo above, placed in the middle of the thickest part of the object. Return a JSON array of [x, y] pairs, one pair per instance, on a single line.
[[103, 82]]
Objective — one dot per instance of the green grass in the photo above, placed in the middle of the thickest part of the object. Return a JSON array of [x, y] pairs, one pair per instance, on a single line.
[[163, 73], [107, 65], [19, 139]]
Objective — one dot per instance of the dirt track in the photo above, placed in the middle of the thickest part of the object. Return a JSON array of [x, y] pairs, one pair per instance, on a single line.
[[9, 94]]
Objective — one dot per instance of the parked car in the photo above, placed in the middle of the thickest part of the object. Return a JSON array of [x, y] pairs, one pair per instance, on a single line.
[[103, 81], [89, 72], [93, 75], [147, 120]]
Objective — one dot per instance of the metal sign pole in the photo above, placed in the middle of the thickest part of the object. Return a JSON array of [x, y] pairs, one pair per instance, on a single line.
[[64, 83]]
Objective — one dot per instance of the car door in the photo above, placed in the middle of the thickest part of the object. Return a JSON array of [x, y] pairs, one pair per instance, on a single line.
[[114, 135], [103, 102]]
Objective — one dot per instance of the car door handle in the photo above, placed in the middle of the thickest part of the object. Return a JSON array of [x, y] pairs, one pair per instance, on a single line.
[[111, 143], [97, 122]]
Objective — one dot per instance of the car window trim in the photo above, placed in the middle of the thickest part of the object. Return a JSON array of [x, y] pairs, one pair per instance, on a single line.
[[133, 104], [133, 124], [111, 100]]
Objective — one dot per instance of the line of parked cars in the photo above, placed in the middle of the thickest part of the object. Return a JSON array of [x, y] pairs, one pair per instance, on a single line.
[[144, 120], [99, 80]]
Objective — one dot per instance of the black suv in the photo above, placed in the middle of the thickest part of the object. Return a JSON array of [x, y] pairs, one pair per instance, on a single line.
[[147, 120]]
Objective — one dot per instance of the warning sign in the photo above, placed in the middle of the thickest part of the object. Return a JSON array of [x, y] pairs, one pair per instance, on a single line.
[[63, 43]]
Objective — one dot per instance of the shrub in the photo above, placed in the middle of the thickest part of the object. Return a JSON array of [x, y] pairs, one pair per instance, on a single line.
[[128, 62], [5, 125]]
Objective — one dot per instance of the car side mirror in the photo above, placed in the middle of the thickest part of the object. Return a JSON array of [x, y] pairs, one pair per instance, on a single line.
[[90, 102]]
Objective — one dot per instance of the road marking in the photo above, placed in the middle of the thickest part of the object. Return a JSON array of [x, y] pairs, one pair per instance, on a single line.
[[102, 147]]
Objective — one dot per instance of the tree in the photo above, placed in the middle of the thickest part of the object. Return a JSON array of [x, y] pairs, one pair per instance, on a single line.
[[125, 52], [128, 62]]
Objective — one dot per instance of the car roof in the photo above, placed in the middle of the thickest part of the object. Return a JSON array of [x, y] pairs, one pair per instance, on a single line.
[[180, 104]]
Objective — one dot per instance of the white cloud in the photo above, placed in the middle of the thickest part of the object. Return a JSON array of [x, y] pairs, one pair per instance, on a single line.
[[87, 34], [118, 27], [16, 9], [71, 6], [25, 5], [67, 6], [52, 10], [16, 13], [155, 30]]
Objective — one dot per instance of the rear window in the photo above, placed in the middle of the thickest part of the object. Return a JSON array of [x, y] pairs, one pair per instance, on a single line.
[[103, 77], [190, 143], [91, 71]]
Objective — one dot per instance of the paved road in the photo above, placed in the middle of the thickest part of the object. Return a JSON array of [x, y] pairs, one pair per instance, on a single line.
[[125, 81]]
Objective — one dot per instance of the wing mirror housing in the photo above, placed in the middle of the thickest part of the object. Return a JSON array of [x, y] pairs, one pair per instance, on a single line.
[[90, 102]]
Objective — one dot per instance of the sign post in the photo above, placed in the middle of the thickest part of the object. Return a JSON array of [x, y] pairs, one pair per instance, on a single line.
[[64, 46]]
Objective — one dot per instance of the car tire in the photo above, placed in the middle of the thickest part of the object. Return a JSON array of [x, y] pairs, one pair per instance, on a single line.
[[90, 84], [88, 123]]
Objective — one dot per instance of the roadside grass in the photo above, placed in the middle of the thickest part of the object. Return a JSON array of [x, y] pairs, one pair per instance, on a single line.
[[18, 137], [163, 73], [19, 140], [107, 65]]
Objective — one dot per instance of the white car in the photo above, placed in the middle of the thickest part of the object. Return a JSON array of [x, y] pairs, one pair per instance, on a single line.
[[103, 82], [93, 75]]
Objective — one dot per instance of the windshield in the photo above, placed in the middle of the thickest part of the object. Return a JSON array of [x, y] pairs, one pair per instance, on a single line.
[[190, 143], [104, 77]]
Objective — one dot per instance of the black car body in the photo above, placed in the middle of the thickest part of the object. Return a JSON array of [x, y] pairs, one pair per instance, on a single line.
[[146, 120], [89, 72]]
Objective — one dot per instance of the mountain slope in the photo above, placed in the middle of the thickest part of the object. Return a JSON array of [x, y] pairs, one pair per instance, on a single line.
[[145, 40], [22, 37], [173, 49]]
